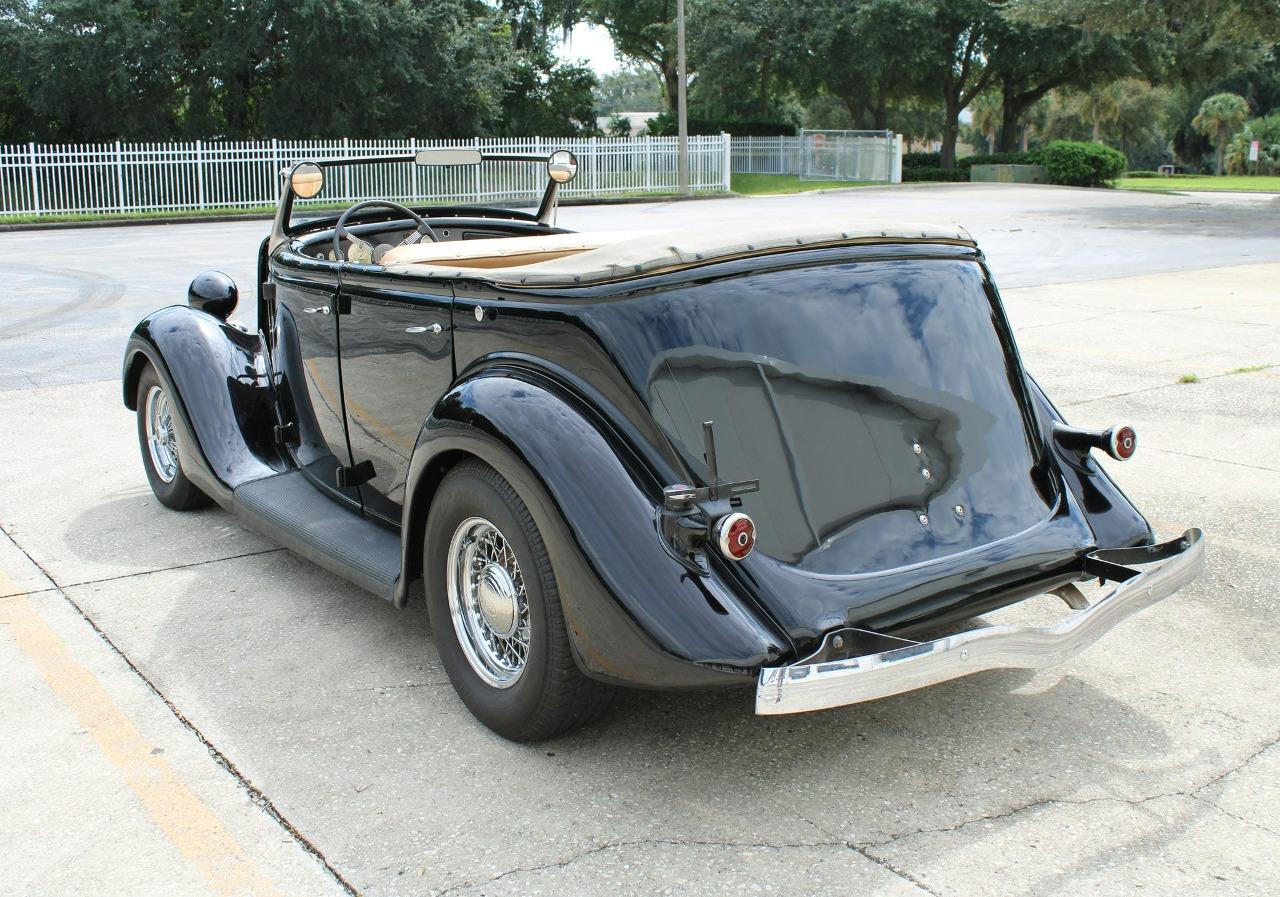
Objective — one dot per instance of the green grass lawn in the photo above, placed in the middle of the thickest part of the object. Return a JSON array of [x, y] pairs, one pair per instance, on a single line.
[[759, 184], [1252, 183]]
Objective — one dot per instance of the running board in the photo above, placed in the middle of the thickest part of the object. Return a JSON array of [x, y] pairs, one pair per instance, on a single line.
[[293, 512]]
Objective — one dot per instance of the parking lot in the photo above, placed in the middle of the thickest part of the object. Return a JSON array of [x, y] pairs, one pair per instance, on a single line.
[[189, 709]]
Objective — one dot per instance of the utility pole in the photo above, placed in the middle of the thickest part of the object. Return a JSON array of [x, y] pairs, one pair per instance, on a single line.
[[682, 113]]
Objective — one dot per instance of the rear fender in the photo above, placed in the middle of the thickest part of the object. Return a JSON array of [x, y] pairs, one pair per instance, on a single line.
[[635, 615], [1114, 520], [215, 375]]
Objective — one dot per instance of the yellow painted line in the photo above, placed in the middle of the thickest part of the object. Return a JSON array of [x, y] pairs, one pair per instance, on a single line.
[[178, 812]]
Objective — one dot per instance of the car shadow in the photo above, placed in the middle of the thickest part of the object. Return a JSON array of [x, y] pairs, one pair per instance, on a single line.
[[335, 704]]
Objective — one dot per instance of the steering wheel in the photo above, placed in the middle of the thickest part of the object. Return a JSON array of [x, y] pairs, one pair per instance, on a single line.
[[369, 252]]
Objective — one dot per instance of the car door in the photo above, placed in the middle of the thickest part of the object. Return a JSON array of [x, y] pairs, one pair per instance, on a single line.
[[305, 352], [397, 361]]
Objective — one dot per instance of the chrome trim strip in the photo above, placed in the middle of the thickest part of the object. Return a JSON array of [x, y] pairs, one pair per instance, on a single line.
[[804, 687]]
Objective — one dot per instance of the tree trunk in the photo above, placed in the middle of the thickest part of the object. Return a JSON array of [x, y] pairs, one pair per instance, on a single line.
[[1010, 112], [950, 132], [1097, 128], [766, 71], [880, 115]]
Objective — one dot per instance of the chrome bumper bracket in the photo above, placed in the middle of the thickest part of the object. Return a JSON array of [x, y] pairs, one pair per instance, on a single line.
[[806, 686]]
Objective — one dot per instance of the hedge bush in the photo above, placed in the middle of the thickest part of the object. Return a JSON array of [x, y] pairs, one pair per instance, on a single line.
[[1031, 157], [923, 173], [1142, 174], [922, 160], [1077, 164]]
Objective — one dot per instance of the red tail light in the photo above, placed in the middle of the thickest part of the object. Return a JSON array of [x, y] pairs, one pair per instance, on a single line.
[[1122, 442], [736, 536]]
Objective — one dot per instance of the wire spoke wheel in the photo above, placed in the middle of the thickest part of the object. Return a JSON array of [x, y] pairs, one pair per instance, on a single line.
[[162, 440], [488, 603]]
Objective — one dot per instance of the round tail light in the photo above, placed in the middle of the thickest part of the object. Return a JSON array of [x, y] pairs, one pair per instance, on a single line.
[[1123, 443], [736, 536]]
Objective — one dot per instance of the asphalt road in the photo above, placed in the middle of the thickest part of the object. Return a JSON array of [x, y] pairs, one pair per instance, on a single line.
[[187, 708]]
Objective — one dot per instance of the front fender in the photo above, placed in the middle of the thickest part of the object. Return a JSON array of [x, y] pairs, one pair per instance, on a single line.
[[634, 614], [215, 375]]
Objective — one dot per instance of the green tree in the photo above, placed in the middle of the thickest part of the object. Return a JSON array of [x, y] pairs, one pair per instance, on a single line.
[[1265, 130], [745, 51], [1031, 60], [1218, 118], [869, 55], [631, 89], [1100, 106], [93, 71], [644, 30], [543, 95], [988, 116], [960, 44]]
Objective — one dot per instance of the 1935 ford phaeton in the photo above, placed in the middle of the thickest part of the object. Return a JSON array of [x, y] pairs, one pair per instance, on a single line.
[[576, 440]]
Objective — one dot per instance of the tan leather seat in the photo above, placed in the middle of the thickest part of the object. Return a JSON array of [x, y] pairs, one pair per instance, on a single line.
[[503, 252]]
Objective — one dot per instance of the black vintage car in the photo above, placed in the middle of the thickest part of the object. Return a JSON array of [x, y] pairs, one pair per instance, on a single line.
[[784, 455]]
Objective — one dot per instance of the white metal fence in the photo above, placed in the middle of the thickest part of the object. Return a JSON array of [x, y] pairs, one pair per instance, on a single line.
[[855, 156], [766, 155], [136, 177]]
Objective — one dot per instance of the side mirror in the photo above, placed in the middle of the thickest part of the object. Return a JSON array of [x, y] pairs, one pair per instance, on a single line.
[[215, 293], [306, 179], [562, 166]]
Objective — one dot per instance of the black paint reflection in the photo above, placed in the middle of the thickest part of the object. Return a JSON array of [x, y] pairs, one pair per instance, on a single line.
[[873, 401]]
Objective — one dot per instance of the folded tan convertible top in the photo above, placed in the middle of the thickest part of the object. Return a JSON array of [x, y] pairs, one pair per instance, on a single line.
[[593, 257]]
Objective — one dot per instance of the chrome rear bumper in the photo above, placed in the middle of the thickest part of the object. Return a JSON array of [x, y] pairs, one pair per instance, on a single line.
[[833, 683]]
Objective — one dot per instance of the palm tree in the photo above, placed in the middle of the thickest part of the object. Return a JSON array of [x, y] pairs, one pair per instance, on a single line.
[[1219, 116], [986, 109], [1100, 105]]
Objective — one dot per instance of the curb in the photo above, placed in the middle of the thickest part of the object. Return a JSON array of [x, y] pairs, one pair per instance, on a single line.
[[255, 216]]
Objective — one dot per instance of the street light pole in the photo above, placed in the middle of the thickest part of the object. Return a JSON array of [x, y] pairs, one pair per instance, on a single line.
[[682, 113]]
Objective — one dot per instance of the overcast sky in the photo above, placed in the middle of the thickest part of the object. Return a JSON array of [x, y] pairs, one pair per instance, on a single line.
[[591, 44]]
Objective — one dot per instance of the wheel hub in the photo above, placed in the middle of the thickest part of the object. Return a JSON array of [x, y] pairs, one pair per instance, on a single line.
[[496, 595], [488, 602]]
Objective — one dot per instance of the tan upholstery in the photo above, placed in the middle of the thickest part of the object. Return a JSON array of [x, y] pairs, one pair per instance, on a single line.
[[566, 259], [502, 252]]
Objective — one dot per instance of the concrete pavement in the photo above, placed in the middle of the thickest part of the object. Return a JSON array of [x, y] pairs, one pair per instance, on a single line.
[[1149, 765]]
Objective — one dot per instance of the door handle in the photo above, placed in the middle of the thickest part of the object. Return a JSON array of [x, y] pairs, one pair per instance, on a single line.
[[434, 328], [316, 309]]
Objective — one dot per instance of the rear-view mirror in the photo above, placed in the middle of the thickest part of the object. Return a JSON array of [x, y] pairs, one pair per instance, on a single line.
[[448, 157]]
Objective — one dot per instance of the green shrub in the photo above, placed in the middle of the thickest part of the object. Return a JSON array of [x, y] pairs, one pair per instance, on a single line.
[[1266, 131], [922, 160], [1031, 157], [1082, 164], [922, 173], [1142, 174]]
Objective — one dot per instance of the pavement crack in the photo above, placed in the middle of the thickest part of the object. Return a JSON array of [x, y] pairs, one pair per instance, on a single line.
[[1225, 812], [1216, 460], [255, 794], [909, 877], [637, 842], [1266, 746], [1041, 803], [232, 557]]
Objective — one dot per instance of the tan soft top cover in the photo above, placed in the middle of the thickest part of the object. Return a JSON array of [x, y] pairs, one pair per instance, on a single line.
[[581, 258]]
